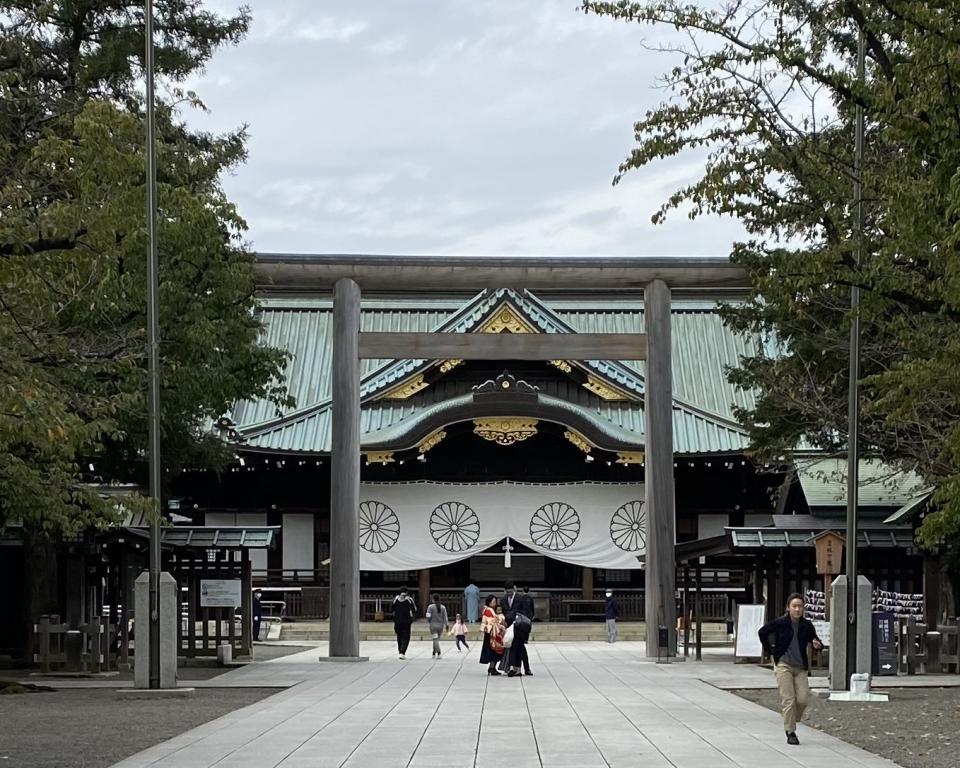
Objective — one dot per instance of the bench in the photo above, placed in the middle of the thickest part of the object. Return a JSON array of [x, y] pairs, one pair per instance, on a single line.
[[588, 610]]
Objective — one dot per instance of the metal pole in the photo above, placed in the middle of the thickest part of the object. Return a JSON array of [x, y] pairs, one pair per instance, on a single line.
[[153, 333], [853, 405]]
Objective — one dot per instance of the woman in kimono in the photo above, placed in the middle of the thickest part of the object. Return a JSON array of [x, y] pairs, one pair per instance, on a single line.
[[491, 650]]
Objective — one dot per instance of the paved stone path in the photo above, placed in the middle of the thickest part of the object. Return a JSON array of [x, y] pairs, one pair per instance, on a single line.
[[587, 706]]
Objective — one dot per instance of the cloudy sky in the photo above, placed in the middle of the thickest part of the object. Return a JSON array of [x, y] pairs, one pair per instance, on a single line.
[[447, 127]]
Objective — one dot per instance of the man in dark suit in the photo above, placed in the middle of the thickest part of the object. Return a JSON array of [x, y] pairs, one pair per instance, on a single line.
[[510, 602], [518, 610]]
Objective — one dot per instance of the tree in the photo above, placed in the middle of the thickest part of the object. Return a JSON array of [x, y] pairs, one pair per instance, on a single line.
[[766, 89], [72, 261]]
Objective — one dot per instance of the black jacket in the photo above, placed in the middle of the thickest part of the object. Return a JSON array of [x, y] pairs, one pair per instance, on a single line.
[[526, 606], [612, 609], [776, 637], [404, 611], [509, 611]]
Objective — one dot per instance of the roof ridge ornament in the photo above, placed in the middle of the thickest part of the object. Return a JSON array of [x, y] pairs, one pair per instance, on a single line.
[[505, 383]]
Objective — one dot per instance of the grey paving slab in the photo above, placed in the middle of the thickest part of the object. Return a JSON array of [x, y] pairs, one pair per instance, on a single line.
[[588, 705]]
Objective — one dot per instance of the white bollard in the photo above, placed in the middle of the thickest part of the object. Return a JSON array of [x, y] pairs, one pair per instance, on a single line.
[[860, 682], [224, 654]]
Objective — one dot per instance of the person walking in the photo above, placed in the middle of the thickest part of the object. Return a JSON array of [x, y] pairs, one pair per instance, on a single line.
[[471, 598], [438, 622], [491, 648], [786, 639], [404, 612], [257, 613], [459, 631], [612, 613]]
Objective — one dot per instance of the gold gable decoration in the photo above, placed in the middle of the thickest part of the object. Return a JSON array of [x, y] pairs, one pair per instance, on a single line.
[[563, 365], [448, 365], [431, 441], [407, 389], [627, 458], [603, 390], [578, 440], [506, 320], [505, 430], [380, 457]]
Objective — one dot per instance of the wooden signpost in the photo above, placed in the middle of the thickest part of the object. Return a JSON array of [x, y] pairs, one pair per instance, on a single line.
[[829, 545]]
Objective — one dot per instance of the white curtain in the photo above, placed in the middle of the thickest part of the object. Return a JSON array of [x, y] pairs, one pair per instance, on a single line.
[[407, 526]]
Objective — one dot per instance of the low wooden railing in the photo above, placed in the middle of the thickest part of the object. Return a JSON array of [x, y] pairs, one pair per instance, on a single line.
[[88, 648]]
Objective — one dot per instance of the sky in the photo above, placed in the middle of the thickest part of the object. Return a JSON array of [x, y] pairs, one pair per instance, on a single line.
[[481, 127]]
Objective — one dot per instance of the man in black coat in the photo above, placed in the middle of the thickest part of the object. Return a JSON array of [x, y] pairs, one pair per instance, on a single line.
[[518, 610], [786, 639], [404, 612]]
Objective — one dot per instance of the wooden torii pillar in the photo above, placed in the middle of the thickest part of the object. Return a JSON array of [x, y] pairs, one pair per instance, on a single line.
[[659, 598], [350, 346], [345, 474]]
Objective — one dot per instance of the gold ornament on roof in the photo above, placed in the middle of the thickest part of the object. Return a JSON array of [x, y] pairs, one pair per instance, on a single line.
[[380, 457], [430, 441], [578, 440], [627, 458], [505, 431], [506, 320], [448, 365], [563, 365], [603, 390], [407, 389]]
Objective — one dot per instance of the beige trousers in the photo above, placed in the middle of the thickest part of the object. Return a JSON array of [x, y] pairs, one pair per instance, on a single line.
[[794, 686]]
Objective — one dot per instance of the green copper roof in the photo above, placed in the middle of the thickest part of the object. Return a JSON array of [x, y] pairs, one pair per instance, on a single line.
[[824, 483], [702, 351]]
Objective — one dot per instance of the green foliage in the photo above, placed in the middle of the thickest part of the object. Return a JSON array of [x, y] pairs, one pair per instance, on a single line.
[[73, 257], [767, 89]]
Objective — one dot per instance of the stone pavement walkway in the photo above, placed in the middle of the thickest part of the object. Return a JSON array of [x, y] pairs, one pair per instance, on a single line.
[[587, 706]]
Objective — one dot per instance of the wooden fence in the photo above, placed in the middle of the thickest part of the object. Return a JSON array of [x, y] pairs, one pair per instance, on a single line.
[[88, 648]]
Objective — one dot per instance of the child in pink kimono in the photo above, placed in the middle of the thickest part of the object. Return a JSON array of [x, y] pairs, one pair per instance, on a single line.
[[459, 631]]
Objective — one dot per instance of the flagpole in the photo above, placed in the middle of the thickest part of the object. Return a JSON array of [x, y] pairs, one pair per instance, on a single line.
[[153, 334], [853, 405]]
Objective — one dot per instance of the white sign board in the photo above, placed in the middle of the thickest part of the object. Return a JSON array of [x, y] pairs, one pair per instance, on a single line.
[[823, 632], [219, 593], [749, 621]]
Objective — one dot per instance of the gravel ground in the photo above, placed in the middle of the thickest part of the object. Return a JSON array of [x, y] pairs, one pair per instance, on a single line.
[[93, 728], [917, 728]]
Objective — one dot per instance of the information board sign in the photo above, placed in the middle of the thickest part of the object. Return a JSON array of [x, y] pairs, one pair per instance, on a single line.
[[219, 593], [823, 632], [884, 644], [749, 621]]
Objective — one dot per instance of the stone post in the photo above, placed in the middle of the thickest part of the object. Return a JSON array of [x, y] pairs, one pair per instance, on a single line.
[[839, 674], [169, 616], [660, 600]]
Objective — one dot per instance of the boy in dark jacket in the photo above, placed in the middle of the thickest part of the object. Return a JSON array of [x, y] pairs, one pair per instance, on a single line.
[[786, 639], [611, 612]]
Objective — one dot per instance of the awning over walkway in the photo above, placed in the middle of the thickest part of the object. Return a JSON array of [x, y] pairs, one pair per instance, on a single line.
[[203, 537], [792, 531]]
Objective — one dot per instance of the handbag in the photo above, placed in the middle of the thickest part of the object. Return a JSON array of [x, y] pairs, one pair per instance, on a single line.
[[508, 637]]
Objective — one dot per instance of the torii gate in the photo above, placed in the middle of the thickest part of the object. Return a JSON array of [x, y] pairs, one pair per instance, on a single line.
[[348, 274]]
